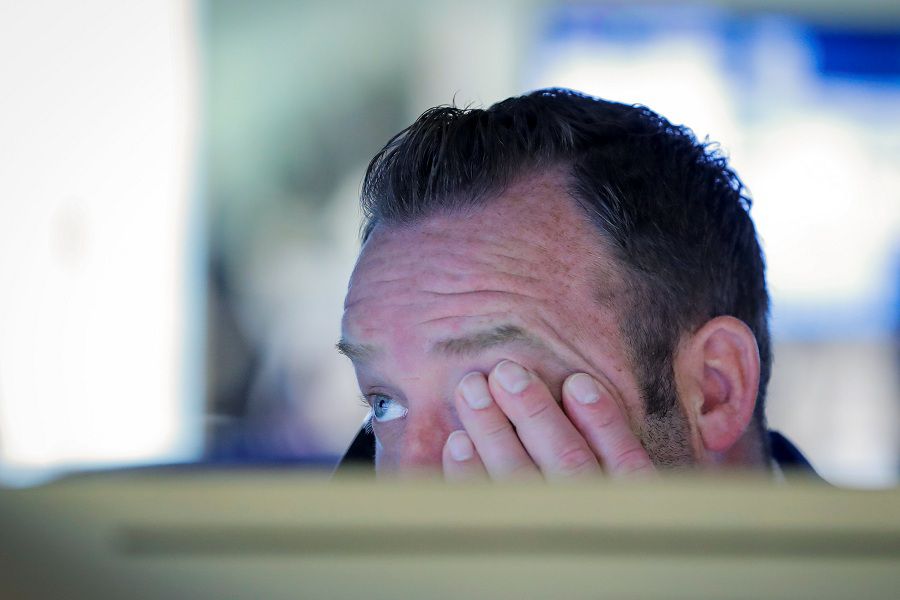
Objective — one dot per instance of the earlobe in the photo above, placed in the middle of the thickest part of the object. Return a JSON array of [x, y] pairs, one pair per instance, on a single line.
[[726, 373]]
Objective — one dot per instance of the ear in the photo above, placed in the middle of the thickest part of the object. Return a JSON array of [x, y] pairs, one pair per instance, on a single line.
[[721, 371]]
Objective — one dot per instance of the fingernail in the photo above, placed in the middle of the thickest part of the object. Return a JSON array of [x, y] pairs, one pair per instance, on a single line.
[[583, 388], [474, 390], [512, 377], [460, 446]]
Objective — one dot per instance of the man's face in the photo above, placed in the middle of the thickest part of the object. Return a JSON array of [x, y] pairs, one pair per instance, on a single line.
[[521, 278]]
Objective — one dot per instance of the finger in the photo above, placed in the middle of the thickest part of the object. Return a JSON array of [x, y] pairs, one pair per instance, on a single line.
[[461, 460], [554, 443], [493, 435], [605, 427]]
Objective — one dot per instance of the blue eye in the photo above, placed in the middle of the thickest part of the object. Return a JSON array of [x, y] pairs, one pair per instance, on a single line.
[[385, 408]]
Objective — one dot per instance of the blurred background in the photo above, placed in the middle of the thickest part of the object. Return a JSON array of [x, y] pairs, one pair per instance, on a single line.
[[179, 183]]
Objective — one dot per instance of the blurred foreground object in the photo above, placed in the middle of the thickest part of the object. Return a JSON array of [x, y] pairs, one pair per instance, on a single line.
[[242, 535]]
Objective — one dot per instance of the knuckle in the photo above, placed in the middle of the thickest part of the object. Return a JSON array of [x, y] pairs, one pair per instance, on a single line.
[[497, 431], [631, 460], [520, 471], [536, 409], [608, 416], [575, 461]]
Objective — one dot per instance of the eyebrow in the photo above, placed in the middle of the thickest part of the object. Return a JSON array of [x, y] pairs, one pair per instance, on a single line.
[[482, 340], [355, 352], [466, 345]]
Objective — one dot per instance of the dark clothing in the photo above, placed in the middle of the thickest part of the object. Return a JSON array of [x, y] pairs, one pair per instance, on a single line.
[[361, 453], [360, 456], [789, 458]]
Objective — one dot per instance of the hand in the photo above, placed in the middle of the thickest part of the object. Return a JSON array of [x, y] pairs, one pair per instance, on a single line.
[[515, 429]]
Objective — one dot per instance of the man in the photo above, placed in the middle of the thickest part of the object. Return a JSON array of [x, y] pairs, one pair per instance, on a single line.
[[558, 287]]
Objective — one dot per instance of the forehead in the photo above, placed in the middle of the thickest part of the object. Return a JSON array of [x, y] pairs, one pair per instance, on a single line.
[[528, 257]]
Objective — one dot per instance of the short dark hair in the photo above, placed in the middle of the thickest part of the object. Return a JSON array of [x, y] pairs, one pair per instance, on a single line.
[[672, 211]]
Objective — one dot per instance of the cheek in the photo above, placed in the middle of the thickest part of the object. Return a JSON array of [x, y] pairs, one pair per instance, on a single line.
[[386, 450], [388, 436], [416, 441], [416, 445]]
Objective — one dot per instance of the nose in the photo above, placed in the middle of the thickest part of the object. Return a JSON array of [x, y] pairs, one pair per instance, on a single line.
[[423, 443]]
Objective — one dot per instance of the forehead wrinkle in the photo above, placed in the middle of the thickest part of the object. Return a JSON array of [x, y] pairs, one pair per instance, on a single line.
[[446, 245], [451, 296], [455, 270], [439, 266]]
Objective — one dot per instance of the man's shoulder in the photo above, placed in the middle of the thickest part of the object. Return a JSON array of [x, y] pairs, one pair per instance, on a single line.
[[789, 458]]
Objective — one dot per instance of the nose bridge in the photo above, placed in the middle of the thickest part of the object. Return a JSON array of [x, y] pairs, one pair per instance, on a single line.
[[425, 434]]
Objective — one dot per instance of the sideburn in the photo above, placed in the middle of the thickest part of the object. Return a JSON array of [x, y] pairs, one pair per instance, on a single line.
[[667, 440]]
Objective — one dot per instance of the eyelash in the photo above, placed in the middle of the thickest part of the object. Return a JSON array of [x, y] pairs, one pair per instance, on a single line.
[[369, 419]]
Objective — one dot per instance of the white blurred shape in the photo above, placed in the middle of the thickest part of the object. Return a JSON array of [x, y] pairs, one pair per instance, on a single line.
[[836, 399], [96, 132], [675, 75], [826, 212]]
